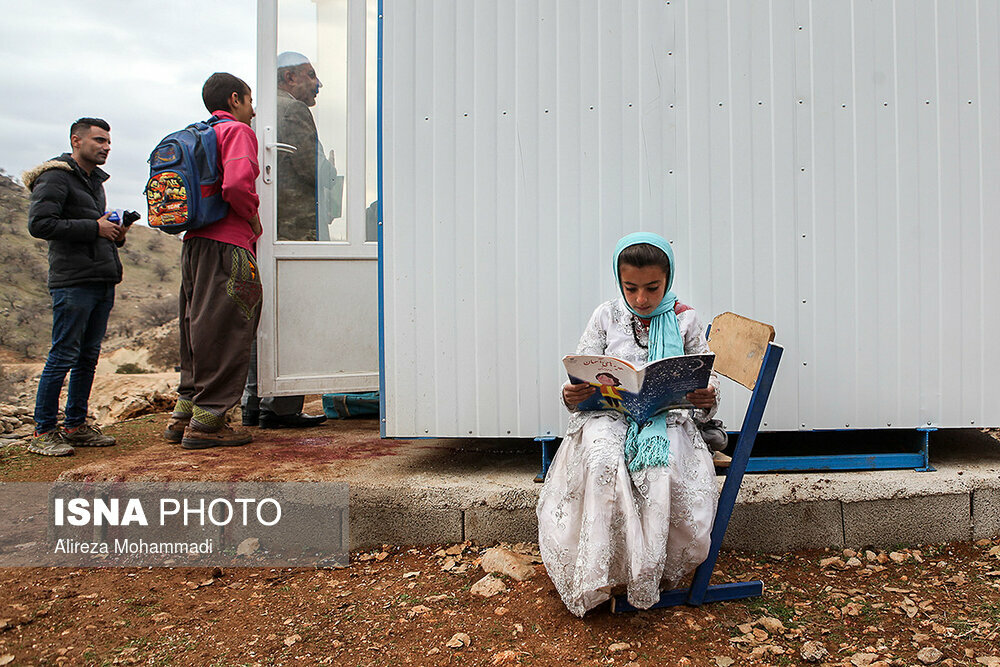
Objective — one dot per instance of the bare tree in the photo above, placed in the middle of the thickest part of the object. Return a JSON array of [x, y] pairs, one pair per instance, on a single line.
[[155, 313]]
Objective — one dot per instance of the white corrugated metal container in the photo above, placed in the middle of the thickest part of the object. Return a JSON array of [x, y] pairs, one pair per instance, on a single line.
[[829, 167]]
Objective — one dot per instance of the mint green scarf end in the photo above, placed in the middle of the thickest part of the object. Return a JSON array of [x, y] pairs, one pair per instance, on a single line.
[[647, 446]]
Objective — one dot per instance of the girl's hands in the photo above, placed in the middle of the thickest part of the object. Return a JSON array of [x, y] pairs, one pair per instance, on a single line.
[[702, 398], [574, 394]]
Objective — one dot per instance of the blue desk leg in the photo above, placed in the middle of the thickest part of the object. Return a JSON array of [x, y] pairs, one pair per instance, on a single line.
[[925, 448], [548, 451]]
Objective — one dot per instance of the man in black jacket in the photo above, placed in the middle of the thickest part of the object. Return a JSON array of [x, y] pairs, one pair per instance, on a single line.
[[68, 210]]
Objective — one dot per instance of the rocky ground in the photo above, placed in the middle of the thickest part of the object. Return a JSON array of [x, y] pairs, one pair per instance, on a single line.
[[439, 605]]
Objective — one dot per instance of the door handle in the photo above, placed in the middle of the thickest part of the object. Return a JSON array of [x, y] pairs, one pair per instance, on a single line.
[[271, 148]]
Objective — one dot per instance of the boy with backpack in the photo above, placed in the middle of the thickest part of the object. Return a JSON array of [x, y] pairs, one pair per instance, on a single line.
[[220, 284]]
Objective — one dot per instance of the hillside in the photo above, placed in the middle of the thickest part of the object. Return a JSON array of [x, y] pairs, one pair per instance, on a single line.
[[145, 299]]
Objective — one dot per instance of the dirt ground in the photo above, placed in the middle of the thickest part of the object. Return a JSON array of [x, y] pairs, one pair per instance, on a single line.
[[936, 604]]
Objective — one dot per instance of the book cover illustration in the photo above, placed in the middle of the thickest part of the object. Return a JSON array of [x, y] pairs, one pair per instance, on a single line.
[[642, 391]]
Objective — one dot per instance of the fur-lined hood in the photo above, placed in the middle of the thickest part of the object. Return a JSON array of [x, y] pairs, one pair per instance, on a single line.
[[64, 162], [31, 175]]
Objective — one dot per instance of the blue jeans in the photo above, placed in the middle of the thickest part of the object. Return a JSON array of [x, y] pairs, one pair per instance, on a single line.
[[79, 320]]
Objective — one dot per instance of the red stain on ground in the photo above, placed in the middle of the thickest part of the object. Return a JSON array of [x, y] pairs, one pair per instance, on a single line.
[[286, 455], [324, 449]]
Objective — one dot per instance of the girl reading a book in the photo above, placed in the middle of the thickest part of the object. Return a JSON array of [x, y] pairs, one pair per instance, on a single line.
[[628, 507]]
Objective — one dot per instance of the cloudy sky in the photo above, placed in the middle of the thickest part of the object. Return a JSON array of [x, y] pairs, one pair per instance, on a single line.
[[139, 64]]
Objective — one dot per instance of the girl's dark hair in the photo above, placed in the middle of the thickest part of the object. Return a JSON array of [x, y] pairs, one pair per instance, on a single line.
[[219, 89], [644, 254]]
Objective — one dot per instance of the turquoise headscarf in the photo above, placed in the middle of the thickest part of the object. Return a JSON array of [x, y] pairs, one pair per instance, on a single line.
[[647, 445]]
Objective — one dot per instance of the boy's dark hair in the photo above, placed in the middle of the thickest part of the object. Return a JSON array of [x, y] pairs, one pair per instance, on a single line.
[[219, 89], [81, 124], [644, 254]]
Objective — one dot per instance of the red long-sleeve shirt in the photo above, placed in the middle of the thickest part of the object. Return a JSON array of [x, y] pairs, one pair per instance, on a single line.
[[237, 146]]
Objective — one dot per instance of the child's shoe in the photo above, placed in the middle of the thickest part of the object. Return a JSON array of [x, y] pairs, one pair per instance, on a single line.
[[175, 428], [226, 436]]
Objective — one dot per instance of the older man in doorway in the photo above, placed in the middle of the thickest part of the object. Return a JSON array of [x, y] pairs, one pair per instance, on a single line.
[[303, 177]]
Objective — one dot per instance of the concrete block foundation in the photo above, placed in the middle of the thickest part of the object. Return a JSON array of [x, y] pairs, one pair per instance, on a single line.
[[918, 520]]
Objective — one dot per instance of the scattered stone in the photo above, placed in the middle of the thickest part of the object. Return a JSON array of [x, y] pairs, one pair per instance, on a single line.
[[417, 610], [724, 661], [863, 659], [619, 646], [771, 624], [434, 651], [813, 652], [854, 562], [897, 557], [500, 611], [834, 562], [504, 658], [410, 575], [929, 655], [6, 659], [291, 639], [988, 660], [459, 640], [488, 586], [503, 561], [852, 609], [248, 546]]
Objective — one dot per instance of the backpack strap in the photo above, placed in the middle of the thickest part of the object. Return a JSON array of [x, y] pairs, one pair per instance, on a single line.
[[215, 120]]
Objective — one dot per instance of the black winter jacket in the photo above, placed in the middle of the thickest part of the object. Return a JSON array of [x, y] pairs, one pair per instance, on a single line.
[[65, 206]]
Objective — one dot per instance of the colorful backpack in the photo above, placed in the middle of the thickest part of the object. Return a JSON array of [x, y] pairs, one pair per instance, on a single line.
[[184, 190]]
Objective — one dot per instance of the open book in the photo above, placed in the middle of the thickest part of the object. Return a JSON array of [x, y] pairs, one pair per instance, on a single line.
[[639, 392]]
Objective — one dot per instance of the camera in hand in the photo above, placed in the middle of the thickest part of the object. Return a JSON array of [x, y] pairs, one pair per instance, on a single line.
[[123, 218]]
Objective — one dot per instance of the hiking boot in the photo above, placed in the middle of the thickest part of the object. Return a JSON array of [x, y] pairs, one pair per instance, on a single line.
[[226, 436], [50, 443], [86, 435], [721, 460], [175, 428]]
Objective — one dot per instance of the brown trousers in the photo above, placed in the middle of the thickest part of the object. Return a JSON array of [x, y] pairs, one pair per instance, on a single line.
[[219, 310]]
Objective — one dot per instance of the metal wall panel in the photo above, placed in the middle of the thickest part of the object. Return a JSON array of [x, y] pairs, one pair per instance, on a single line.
[[829, 167]]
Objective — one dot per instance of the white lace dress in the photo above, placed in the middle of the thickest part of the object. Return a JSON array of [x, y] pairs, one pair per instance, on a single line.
[[603, 530]]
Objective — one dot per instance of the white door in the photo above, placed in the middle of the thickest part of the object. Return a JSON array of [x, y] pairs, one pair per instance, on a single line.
[[318, 257]]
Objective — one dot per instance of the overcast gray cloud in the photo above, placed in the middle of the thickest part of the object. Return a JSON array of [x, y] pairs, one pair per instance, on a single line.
[[138, 64]]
